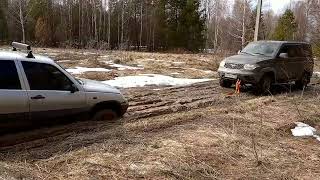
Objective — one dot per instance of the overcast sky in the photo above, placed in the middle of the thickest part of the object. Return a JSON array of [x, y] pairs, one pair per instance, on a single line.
[[278, 5]]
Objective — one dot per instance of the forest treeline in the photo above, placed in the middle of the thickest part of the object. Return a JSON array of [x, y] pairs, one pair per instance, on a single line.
[[154, 25]]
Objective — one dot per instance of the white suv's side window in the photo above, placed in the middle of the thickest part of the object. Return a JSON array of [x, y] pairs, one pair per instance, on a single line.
[[46, 77], [9, 77]]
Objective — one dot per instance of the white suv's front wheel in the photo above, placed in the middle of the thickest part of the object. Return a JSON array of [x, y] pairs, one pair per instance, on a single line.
[[106, 115]]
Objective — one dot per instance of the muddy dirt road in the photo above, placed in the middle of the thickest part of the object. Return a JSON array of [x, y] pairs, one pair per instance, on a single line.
[[178, 118], [144, 103]]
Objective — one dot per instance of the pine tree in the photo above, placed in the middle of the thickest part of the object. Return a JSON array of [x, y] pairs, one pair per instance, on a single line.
[[194, 26], [252, 24], [161, 25], [186, 25], [286, 27], [40, 12]]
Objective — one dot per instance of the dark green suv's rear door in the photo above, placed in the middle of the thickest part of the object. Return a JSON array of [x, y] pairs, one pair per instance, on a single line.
[[293, 65]]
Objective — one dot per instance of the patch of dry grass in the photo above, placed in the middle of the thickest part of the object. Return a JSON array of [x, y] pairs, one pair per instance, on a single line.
[[187, 65], [248, 140], [98, 76]]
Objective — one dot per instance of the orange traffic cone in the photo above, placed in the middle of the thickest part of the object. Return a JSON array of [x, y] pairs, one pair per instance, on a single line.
[[238, 86]]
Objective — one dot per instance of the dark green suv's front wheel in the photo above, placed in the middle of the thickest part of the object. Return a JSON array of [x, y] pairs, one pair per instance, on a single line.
[[264, 86]]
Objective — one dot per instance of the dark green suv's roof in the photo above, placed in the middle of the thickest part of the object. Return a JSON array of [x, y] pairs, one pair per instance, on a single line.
[[285, 42]]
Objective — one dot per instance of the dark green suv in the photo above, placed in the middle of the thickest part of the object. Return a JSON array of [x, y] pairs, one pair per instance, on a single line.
[[264, 63]]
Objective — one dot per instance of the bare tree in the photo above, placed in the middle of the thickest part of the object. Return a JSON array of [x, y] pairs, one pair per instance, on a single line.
[[80, 21], [18, 12], [22, 22], [109, 22]]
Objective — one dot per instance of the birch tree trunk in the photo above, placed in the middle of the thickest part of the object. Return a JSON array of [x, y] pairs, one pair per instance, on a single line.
[[70, 21], [208, 22], [216, 33], [109, 23], [104, 10], [141, 23], [92, 20], [122, 24], [100, 22], [22, 22], [96, 36], [154, 27], [119, 31], [216, 25], [80, 21], [243, 37]]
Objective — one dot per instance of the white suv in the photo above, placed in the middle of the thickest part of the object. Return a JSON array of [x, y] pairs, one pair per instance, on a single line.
[[36, 88]]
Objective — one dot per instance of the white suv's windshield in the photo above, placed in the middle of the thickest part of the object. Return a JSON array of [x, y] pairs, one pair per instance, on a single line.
[[258, 48], [79, 81]]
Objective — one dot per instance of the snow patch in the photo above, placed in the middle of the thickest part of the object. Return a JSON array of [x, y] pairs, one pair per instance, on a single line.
[[63, 61], [80, 70], [89, 53], [150, 59], [208, 71], [304, 130], [176, 73], [124, 67], [205, 71], [151, 79], [104, 56], [178, 63]]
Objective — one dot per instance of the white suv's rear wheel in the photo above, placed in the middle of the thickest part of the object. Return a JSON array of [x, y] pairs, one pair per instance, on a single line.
[[106, 115]]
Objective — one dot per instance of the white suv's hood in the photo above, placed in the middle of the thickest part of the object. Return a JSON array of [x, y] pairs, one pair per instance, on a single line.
[[96, 86]]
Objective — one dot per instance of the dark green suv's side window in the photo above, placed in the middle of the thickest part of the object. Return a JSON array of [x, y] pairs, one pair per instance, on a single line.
[[292, 51]]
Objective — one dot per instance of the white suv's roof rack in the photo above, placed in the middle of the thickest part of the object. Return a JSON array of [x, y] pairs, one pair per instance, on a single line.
[[21, 46]]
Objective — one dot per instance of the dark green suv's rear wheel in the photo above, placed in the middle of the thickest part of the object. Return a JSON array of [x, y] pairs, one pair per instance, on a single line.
[[264, 86], [225, 83], [304, 81]]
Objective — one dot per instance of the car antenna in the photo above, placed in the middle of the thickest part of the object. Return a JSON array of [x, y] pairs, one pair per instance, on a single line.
[[16, 45]]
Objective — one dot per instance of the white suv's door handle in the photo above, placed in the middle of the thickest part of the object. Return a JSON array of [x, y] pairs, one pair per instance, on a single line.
[[38, 97]]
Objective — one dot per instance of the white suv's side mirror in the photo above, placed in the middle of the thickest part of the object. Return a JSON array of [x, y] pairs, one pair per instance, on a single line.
[[283, 55], [239, 52], [73, 88]]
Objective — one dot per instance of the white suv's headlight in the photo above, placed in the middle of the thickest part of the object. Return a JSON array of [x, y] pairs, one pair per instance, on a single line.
[[250, 67], [222, 63]]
